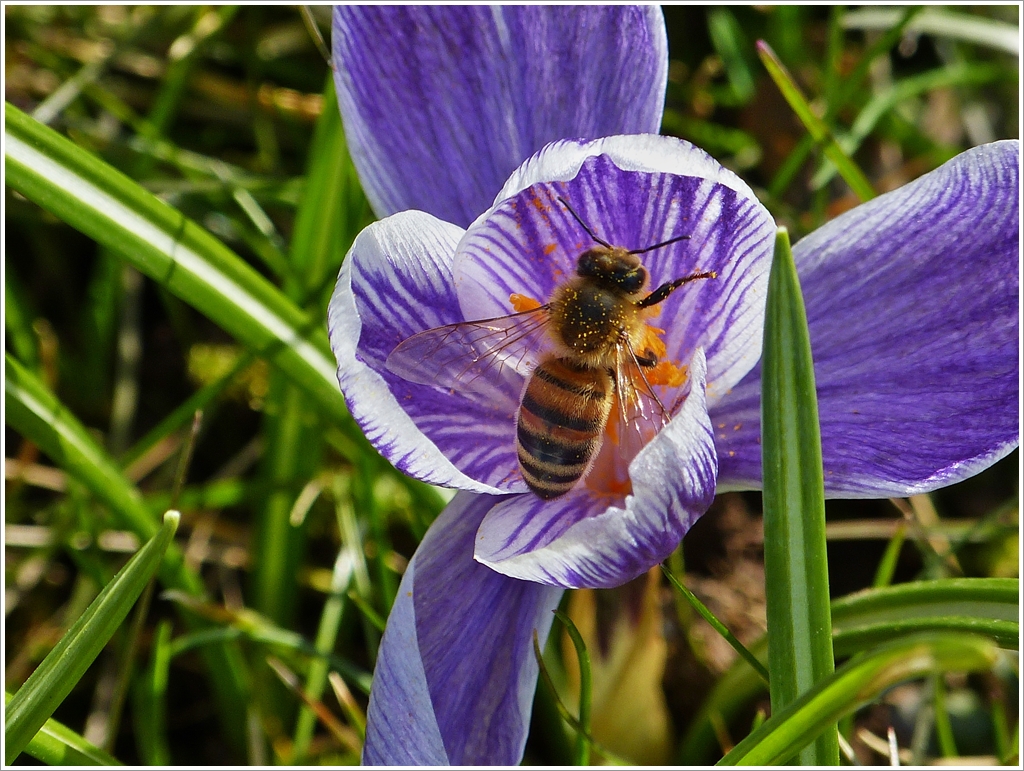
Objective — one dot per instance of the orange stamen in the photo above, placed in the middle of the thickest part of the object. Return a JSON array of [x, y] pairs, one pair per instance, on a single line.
[[653, 342], [665, 373], [522, 303]]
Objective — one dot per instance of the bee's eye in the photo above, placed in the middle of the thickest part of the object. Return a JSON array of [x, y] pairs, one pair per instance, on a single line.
[[633, 280], [592, 264]]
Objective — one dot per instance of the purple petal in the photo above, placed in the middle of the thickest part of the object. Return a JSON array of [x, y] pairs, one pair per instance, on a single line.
[[456, 672], [634, 191], [441, 104], [396, 281], [582, 541], [912, 304]]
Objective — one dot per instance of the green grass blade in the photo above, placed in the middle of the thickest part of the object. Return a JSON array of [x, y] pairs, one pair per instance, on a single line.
[[986, 606], [149, 701], [98, 200], [57, 745], [845, 90], [942, 22], [961, 74], [815, 126], [326, 636], [62, 668], [37, 414], [860, 621], [729, 41], [796, 561], [854, 684], [887, 565], [582, 752], [717, 625], [18, 321]]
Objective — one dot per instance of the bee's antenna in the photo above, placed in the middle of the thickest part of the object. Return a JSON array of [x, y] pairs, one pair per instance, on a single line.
[[658, 246], [584, 225]]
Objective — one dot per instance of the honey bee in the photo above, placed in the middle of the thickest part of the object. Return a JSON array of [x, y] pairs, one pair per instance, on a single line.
[[600, 351]]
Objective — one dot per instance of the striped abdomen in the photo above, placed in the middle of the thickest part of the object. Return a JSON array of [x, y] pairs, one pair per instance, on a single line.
[[561, 419]]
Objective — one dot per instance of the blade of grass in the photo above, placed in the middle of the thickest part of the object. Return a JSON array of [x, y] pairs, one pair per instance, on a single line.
[[854, 684], [795, 555], [987, 606], [943, 727], [57, 745], [342, 733], [961, 74], [887, 565], [815, 126], [326, 636], [62, 668], [96, 199], [729, 42], [846, 89], [943, 23], [582, 753], [565, 714], [149, 701], [717, 625], [18, 321]]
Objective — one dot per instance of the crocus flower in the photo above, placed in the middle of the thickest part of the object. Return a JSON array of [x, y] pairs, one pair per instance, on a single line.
[[911, 302]]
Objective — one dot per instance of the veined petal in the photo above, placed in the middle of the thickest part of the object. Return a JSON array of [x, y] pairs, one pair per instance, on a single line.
[[913, 306], [441, 104], [396, 281], [633, 191], [456, 674], [580, 540]]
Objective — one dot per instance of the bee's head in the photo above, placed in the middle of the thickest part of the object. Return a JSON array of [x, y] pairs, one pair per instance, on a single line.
[[614, 266]]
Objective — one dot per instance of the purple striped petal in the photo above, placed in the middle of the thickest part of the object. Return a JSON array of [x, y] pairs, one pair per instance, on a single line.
[[396, 281], [456, 674], [633, 191], [441, 104], [582, 541], [912, 303]]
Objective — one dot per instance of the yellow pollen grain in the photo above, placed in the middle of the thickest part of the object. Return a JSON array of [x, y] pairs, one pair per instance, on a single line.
[[550, 248]]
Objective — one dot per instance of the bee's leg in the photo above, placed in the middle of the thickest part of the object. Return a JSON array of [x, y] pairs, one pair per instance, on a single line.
[[662, 292]]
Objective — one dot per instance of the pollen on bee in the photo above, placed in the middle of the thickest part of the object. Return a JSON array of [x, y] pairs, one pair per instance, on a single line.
[[522, 303]]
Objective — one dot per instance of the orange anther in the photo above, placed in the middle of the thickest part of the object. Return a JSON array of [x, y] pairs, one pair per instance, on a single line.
[[522, 303], [665, 373]]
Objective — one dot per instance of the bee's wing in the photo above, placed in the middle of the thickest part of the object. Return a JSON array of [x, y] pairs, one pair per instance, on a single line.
[[472, 354], [639, 413]]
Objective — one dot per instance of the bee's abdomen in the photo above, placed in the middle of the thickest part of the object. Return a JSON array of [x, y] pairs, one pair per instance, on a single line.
[[561, 419]]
